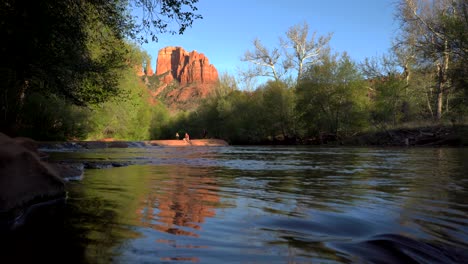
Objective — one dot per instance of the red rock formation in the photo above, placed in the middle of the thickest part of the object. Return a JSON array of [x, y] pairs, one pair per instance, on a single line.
[[186, 68], [148, 70], [192, 70], [139, 70]]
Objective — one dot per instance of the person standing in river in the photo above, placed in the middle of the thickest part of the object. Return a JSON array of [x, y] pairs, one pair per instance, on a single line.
[[177, 135]]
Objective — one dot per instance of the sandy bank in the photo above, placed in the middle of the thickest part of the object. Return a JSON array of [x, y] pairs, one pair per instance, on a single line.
[[111, 143], [193, 142]]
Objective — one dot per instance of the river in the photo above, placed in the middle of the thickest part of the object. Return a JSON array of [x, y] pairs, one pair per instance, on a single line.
[[258, 205]]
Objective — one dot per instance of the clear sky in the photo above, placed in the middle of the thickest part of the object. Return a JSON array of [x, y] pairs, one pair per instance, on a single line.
[[363, 28]]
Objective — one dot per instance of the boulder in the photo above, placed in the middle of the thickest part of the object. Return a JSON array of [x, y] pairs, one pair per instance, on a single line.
[[69, 171], [24, 178]]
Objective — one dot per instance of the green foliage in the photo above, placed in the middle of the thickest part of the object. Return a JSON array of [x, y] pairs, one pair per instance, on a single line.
[[278, 104], [46, 123], [332, 98], [127, 116], [157, 13], [389, 101], [229, 114], [74, 50], [160, 119], [434, 37]]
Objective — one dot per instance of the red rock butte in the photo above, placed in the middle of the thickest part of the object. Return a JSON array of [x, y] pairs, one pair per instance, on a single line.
[[185, 67], [185, 77]]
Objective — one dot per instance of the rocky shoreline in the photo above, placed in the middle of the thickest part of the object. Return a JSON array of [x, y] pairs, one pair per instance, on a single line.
[[428, 136]]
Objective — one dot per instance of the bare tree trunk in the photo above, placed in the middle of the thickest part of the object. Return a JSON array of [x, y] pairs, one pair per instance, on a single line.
[[445, 78], [442, 81], [439, 105], [275, 75], [299, 72], [428, 101], [447, 99]]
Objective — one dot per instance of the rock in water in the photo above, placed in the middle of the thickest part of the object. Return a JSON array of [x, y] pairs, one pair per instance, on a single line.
[[25, 180]]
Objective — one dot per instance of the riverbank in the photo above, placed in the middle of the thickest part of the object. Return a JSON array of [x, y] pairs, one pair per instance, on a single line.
[[422, 136], [111, 143], [426, 136], [192, 142]]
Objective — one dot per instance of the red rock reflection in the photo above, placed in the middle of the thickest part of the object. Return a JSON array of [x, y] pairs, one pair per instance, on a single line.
[[179, 203]]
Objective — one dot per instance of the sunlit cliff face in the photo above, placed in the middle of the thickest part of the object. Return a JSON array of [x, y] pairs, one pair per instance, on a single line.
[[182, 77], [185, 67]]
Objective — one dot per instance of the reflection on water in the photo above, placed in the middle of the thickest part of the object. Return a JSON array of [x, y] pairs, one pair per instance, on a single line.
[[177, 201], [260, 205]]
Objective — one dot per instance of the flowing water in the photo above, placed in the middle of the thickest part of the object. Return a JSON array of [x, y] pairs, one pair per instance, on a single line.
[[259, 205]]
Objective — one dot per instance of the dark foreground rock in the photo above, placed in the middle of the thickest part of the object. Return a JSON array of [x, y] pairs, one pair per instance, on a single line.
[[69, 171], [26, 182]]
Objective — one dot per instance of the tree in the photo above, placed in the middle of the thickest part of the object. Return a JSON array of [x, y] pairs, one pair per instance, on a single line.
[[428, 29], [392, 95], [155, 14], [276, 63], [265, 62], [332, 98], [70, 49], [456, 29], [305, 51], [278, 102], [227, 83]]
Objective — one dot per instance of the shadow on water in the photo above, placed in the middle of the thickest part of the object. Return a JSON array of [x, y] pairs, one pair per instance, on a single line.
[[44, 237], [84, 229]]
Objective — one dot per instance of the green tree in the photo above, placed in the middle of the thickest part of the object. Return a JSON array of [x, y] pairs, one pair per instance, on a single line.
[[394, 97], [435, 33], [159, 119], [71, 49], [332, 98], [128, 115], [278, 104], [456, 29]]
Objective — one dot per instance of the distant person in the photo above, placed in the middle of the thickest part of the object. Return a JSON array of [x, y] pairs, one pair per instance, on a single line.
[[187, 137], [204, 133], [177, 135]]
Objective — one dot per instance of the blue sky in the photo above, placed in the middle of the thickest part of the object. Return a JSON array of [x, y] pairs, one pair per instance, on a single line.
[[363, 28]]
